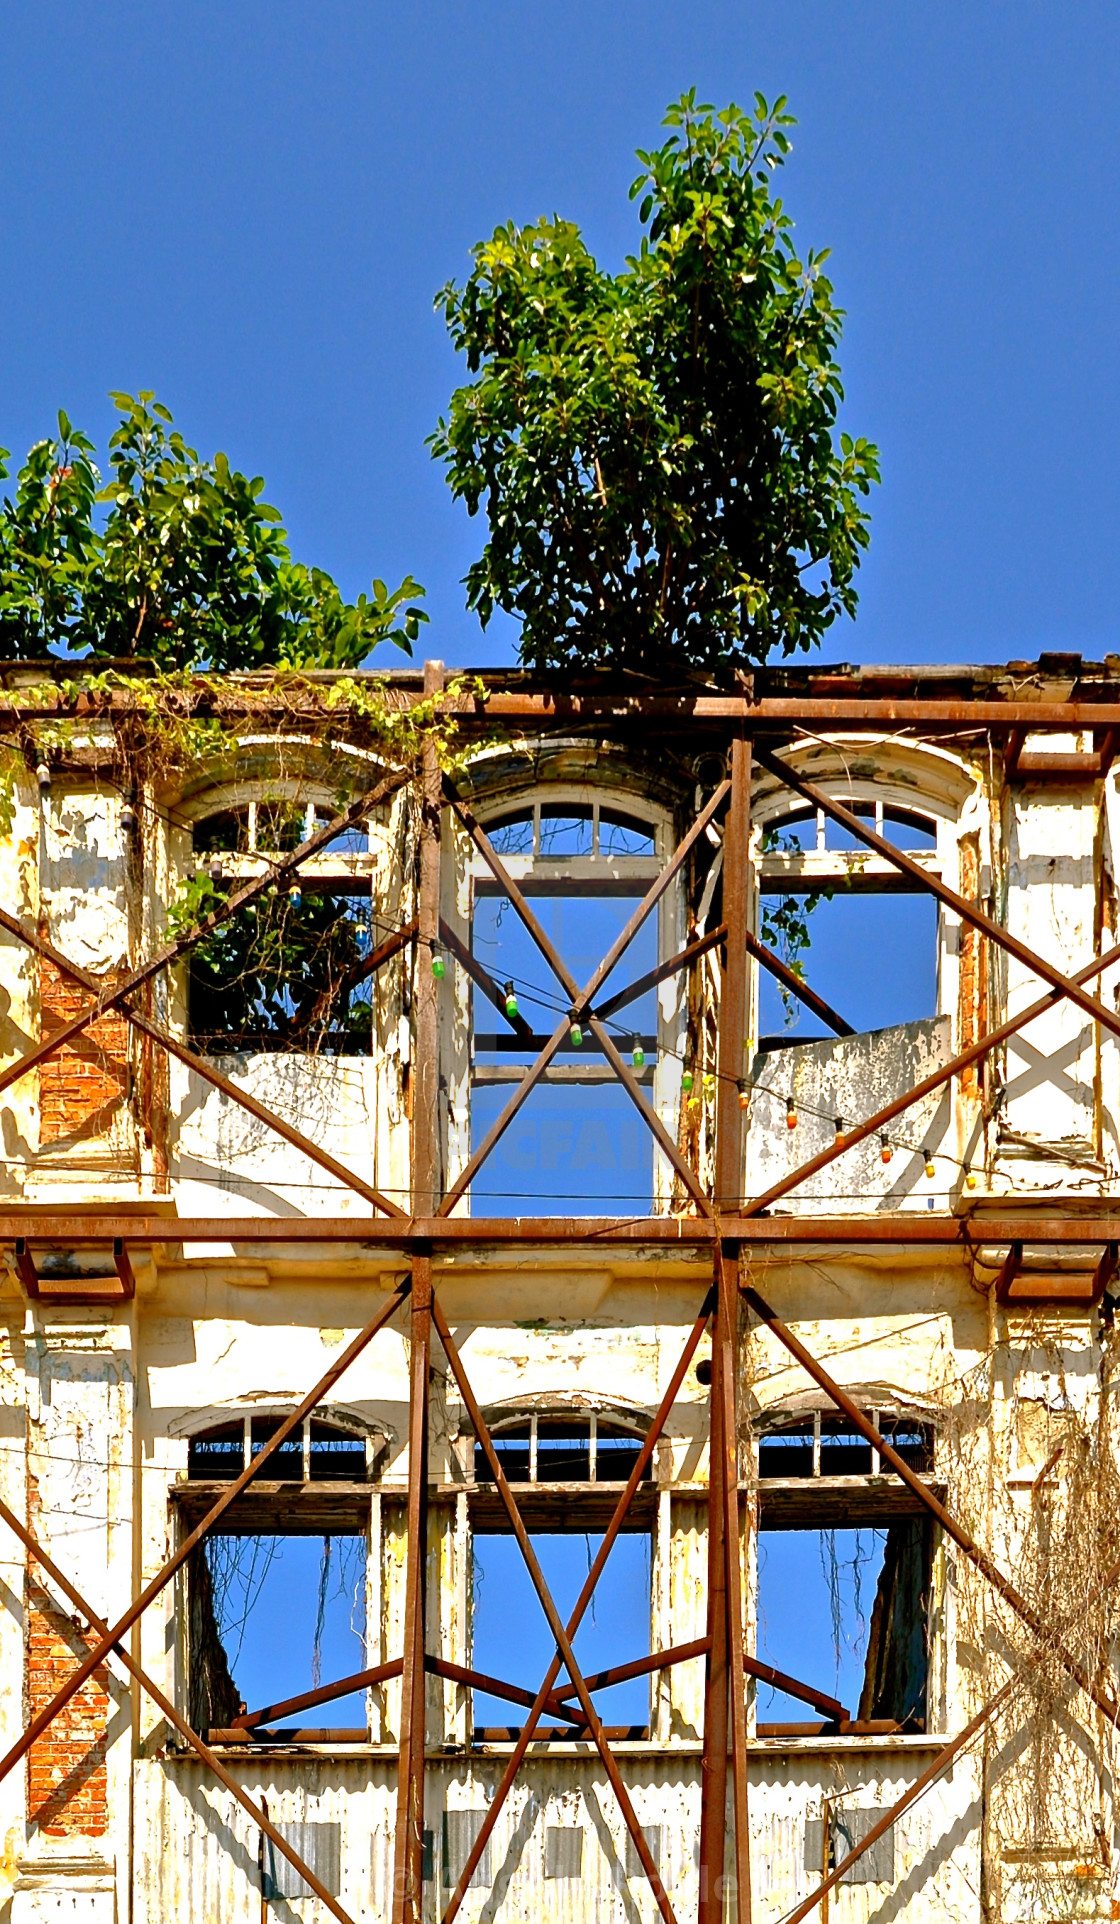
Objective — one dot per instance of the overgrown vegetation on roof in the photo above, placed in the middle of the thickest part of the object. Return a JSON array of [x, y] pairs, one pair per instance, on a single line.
[[657, 451], [177, 560]]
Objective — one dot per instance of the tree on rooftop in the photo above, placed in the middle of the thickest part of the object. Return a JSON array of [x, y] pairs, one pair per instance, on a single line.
[[188, 566], [657, 451]]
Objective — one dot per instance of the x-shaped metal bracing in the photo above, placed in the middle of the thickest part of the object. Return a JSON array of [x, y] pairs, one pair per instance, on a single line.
[[581, 1001]]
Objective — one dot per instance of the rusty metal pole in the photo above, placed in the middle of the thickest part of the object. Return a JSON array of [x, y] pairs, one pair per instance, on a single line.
[[728, 1324], [713, 1766], [723, 1501], [425, 1062], [732, 1064], [408, 1889], [408, 1885]]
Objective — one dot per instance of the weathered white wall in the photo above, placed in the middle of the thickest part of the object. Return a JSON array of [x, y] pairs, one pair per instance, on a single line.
[[850, 1078]]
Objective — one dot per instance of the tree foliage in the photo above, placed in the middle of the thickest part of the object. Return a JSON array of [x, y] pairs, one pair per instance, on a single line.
[[280, 974], [177, 560], [657, 450]]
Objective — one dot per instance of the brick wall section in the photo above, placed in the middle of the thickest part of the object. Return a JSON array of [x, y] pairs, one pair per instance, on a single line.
[[67, 1788], [80, 1086]]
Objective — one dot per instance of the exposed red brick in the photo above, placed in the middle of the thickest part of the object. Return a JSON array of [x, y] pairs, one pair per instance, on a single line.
[[81, 1085], [67, 1782]]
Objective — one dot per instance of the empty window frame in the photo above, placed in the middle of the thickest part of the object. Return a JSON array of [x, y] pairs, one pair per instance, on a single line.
[[826, 900], [275, 1596], [844, 1569], [289, 972], [578, 1145], [567, 1467], [273, 1613]]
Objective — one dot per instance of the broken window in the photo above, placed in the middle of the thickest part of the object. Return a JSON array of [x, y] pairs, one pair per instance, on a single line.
[[844, 1571], [276, 1593], [578, 1144], [290, 971], [827, 899], [567, 1467]]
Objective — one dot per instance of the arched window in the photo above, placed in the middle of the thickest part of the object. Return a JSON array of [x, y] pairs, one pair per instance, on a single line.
[[826, 897], [316, 1452], [584, 860], [560, 830], [562, 1446]]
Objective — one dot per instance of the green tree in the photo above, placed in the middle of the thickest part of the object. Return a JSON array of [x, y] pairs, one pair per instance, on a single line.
[[187, 565], [657, 450]]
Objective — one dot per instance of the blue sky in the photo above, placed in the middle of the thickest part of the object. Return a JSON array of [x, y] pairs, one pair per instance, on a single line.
[[250, 208]]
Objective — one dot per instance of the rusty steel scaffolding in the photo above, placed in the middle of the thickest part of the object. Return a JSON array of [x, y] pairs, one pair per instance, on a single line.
[[726, 1222]]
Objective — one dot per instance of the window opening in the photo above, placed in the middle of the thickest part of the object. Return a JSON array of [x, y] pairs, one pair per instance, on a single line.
[[811, 830], [827, 899], [899, 932], [847, 1611], [566, 830], [273, 1614], [571, 829], [288, 972], [824, 1445], [578, 1144], [510, 1637]]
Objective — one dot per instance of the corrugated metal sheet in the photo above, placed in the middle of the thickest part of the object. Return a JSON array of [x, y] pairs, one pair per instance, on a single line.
[[197, 1853]]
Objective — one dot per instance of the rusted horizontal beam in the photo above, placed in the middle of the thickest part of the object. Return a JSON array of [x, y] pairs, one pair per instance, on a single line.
[[780, 715], [682, 1653], [326, 1734], [641, 1667], [75, 1227]]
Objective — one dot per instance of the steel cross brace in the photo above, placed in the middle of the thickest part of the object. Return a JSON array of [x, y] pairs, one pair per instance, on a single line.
[[563, 1641], [521, 1746], [581, 999], [167, 1709], [202, 1068], [175, 1562], [107, 996], [936, 1768], [984, 1563], [968, 911]]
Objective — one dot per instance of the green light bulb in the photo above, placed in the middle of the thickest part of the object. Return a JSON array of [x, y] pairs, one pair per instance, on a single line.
[[686, 1082]]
